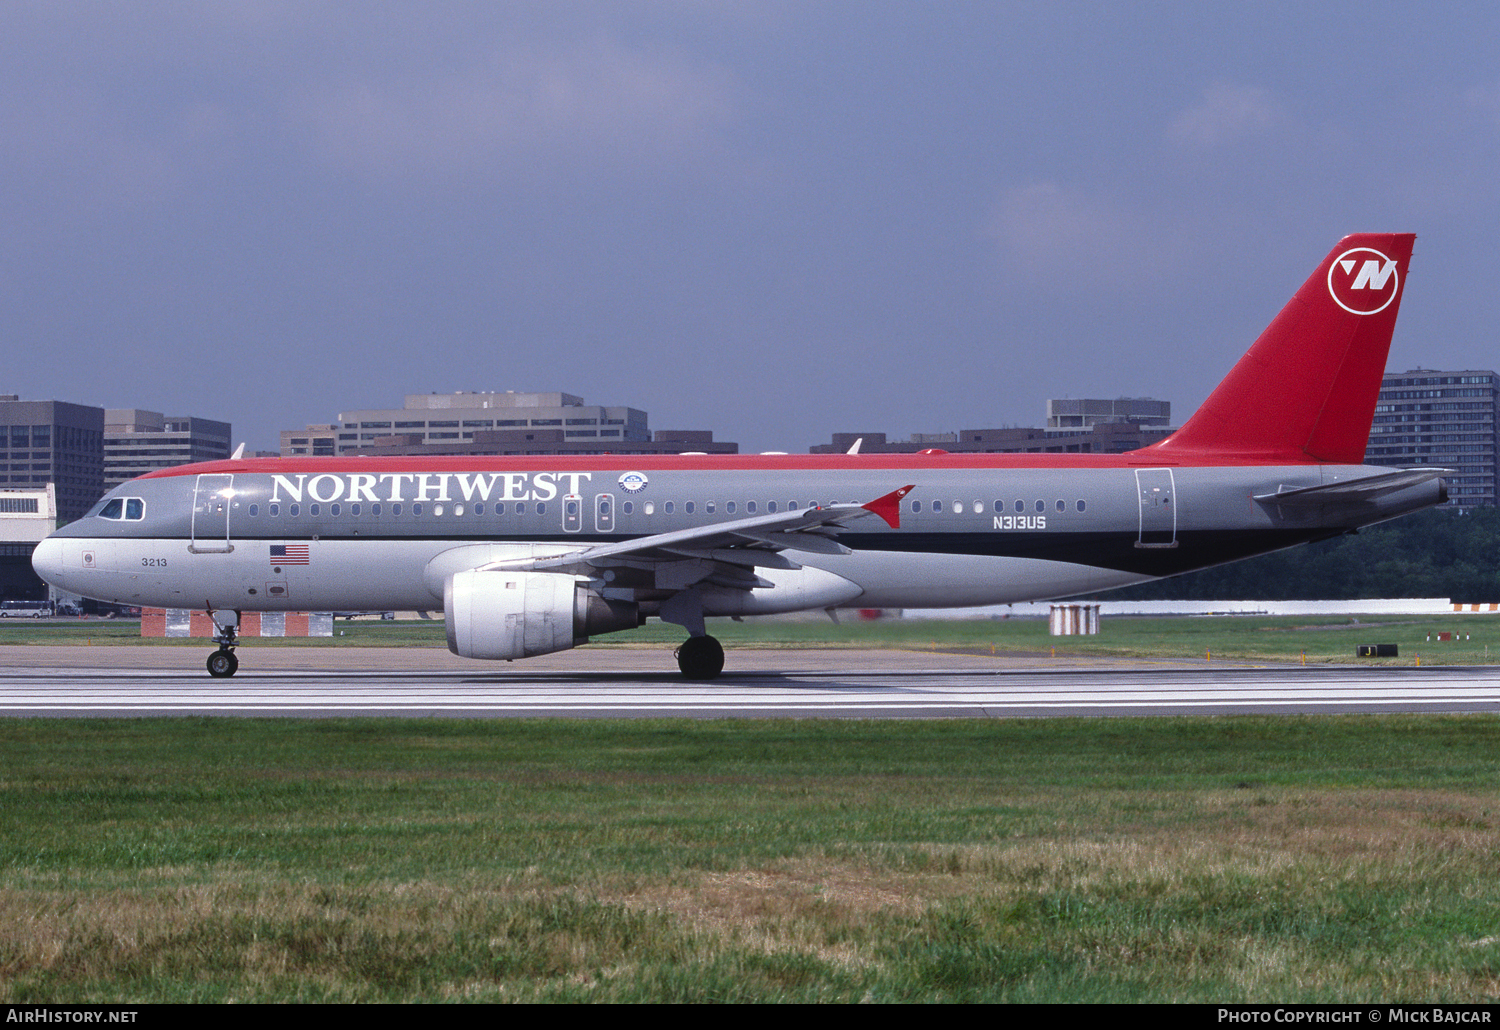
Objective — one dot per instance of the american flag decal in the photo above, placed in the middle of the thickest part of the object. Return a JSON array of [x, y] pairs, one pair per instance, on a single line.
[[290, 554]]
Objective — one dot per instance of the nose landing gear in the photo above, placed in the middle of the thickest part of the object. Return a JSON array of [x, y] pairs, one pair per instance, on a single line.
[[222, 663]]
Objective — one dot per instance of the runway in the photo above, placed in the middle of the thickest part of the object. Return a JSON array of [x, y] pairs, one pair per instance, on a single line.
[[612, 682]]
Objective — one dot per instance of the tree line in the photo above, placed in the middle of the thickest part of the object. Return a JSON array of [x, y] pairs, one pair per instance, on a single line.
[[1435, 553]]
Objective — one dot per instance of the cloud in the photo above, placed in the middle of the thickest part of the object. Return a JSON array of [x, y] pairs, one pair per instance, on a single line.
[[1051, 235], [599, 104], [1226, 114]]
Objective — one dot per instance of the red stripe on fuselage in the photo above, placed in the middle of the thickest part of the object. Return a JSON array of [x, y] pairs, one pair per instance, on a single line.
[[702, 463]]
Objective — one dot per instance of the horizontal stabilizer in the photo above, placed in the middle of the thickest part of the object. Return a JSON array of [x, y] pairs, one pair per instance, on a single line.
[[1367, 488]]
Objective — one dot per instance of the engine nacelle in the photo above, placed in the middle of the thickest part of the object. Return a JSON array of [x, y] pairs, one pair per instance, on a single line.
[[521, 614]]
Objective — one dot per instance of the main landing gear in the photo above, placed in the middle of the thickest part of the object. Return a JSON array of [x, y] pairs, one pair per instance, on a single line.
[[700, 658], [222, 663]]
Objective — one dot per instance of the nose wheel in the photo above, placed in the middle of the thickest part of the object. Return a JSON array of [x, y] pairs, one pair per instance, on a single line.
[[700, 658], [222, 663]]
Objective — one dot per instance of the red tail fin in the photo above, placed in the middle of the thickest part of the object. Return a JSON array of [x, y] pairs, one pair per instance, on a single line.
[[1306, 390]]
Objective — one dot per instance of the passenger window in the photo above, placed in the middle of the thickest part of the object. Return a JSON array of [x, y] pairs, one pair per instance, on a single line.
[[334, 509], [274, 510], [294, 510], [750, 507], [729, 507], [771, 507], [375, 510], [395, 509], [313, 509], [668, 508], [1062, 505], [937, 506], [688, 507], [437, 509], [628, 507], [541, 509], [1041, 506], [916, 507], [416, 508], [354, 510], [254, 510], [1081, 506], [1020, 504]]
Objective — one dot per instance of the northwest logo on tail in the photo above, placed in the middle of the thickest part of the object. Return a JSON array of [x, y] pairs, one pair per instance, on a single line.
[[1363, 281]]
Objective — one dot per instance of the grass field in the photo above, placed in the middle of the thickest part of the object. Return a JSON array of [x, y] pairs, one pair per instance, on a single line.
[[1261, 638], [1181, 859], [1287, 859]]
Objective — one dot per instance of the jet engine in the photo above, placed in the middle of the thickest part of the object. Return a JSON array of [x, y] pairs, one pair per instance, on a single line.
[[521, 614]]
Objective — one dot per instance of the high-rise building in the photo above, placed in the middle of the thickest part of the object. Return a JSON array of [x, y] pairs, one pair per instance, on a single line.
[[1432, 419], [56, 442], [137, 442]]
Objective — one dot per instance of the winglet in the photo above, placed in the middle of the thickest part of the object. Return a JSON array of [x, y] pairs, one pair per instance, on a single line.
[[889, 506]]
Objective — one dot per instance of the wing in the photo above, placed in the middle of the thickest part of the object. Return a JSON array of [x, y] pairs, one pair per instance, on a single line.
[[723, 552]]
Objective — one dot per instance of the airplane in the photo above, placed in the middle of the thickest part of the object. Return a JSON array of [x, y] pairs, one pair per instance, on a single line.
[[532, 555]]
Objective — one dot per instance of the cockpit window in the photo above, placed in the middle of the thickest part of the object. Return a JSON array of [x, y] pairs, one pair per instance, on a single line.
[[131, 508]]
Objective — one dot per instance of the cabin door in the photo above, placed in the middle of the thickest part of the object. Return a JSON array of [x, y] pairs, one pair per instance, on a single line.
[[1158, 508], [211, 503]]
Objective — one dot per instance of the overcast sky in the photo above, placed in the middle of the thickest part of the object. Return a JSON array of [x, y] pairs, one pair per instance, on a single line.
[[773, 219]]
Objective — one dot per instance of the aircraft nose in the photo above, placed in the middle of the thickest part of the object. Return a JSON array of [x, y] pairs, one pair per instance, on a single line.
[[47, 560]]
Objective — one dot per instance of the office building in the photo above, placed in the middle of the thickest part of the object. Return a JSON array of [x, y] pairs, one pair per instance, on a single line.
[[1085, 413], [137, 442], [496, 423], [1433, 419], [1073, 427], [55, 442]]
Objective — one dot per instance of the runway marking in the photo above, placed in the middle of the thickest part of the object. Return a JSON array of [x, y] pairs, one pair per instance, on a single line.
[[929, 692]]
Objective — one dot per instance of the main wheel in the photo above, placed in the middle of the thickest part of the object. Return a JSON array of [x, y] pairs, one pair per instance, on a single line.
[[222, 663], [700, 658]]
